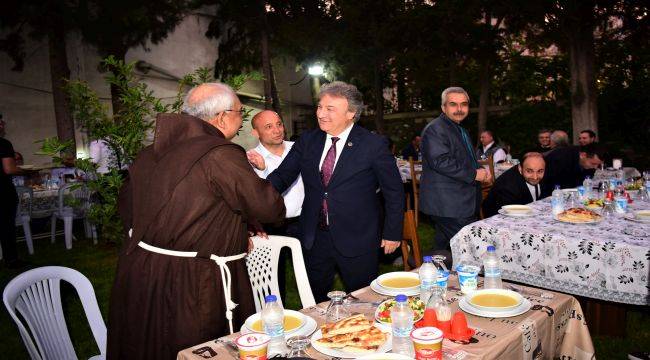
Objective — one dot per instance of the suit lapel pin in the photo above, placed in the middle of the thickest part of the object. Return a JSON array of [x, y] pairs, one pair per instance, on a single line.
[[349, 143]]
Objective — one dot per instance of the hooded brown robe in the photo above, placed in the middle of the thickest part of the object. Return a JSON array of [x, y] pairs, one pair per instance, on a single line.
[[191, 190]]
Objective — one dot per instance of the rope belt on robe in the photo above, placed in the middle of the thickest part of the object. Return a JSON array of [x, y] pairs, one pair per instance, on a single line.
[[222, 262]]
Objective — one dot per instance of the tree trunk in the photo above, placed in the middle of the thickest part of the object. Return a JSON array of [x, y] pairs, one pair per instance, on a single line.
[[271, 98], [120, 54], [484, 96], [60, 72], [584, 109], [379, 100]]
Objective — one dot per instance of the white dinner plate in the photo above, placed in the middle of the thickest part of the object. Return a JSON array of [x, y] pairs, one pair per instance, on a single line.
[[398, 274], [385, 347], [386, 356], [470, 309], [631, 217], [579, 222], [384, 291], [303, 329], [516, 214]]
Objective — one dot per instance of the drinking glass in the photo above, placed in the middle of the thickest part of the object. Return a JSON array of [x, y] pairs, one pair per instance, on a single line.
[[440, 261], [608, 208], [336, 310], [298, 345]]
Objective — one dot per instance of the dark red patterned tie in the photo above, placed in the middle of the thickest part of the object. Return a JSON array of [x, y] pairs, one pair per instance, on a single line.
[[326, 171]]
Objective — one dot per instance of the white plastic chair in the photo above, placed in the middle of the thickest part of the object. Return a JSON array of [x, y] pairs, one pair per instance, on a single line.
[[36, 296], [24, 214], [262, 264], [81, 195]]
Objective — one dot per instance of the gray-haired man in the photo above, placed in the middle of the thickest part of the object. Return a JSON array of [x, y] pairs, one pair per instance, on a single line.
[[450, 186], [342, 166]]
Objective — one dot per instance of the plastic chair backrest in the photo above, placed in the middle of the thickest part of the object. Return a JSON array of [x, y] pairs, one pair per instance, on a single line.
[[262, 264], [36, 296], [81, 195], [25, 200]]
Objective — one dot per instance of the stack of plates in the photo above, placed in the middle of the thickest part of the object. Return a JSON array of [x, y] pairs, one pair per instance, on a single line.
[[395, 283], [298, 324], [517, 210], [494, 303]]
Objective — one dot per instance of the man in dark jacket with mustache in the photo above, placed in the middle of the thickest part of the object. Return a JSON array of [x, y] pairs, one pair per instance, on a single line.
[[450, 186]]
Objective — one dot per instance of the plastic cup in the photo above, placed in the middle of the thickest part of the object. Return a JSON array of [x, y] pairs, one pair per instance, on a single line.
[[253, 346], [621, 203], [459, 325], [430, 319], [443, 277], [468, 278], [427, 342]]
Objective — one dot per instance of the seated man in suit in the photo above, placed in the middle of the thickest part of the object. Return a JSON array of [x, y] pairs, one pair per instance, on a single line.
[[412, 150], [568, 166], [519, 185], [342, 166]]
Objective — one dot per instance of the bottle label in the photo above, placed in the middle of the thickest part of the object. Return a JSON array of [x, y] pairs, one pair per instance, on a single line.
[[427, 284], [492, 272], [402, 331], [274, 330]]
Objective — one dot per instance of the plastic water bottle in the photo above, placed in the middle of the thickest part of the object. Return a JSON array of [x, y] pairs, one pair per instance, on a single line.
[[428, 278], [588, 185], [273, 320], [402, 324], [491, 269], [557, 200]]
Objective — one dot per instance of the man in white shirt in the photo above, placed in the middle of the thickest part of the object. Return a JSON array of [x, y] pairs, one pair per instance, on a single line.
[[269, 130], [489, 147], [519, 185]]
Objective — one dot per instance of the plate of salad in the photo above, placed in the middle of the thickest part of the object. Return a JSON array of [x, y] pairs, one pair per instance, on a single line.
[[382, 314]]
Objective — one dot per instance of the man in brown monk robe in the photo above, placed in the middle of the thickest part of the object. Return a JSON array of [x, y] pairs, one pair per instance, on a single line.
[[188, 201]]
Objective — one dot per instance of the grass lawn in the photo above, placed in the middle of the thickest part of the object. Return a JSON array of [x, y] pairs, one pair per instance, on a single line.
[[98, 264]]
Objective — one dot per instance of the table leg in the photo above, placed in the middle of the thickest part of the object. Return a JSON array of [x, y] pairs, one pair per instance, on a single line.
[[604, 317]]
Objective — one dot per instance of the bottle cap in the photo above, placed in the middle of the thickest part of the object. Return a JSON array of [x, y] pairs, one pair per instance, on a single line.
[[427, 259], [491, 248], [400, 298], [270, 298]]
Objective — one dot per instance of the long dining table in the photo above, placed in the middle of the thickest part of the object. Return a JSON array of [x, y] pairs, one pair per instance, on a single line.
[[554, 327]]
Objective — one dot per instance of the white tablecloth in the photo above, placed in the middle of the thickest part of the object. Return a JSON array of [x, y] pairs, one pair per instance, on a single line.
[[608, 261]]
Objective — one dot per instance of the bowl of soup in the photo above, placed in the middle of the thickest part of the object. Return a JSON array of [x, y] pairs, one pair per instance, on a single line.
[[495, 299], [293, 321], [399, 280]]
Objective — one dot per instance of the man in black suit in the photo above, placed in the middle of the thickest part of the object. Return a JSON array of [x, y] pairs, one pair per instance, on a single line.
[[519, 185], [568, 166], [342, 167], [450, 185]]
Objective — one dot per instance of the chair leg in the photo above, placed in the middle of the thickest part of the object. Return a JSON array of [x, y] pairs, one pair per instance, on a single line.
[[27, 229], [93, 230], [67, 227], [53, 230], [87, 231]]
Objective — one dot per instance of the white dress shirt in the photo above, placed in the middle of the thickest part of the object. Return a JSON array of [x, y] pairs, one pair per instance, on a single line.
[[343, 138], [295, 194], [499, 155], [531, 188]]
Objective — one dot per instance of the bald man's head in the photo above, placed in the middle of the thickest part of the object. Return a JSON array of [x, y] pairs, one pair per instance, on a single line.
[[532, 167], [262, 115], [268, 128]]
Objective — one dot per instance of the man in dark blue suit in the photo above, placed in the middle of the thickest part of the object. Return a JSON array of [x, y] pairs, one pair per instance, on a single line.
[[450, 186], [343, 168]]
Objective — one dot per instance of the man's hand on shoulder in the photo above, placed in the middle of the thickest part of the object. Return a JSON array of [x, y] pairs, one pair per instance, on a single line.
[[390, 246], [256, 159]]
